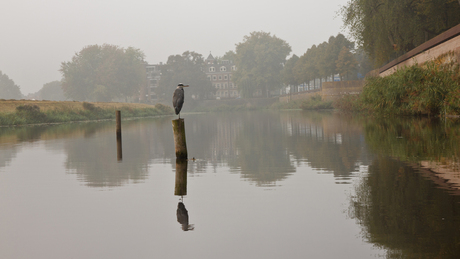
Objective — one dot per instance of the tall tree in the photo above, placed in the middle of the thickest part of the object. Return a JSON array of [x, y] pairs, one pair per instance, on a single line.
[[288, 76], [52, 91], [8, 89], [335, 45], [387, 28], [102, 73], [187, 69], [346, 63], [306, 68], [259, 61], [229, 55], [321, 60]]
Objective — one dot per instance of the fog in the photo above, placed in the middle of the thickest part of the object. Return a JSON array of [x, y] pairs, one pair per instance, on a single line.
[[38, 35]]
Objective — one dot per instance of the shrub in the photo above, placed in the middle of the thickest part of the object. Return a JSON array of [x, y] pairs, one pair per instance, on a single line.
[[163, 109], [316, 102], [431, 89], [90, 107], [31, 114]]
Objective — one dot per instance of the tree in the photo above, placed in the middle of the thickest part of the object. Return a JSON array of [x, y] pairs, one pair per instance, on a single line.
[[288, 73], [306, 69], [229, 55], [334, 46], [321, 61], [187, 69], [259, 60], [386, 29], [346, 63], [8, 89], [52, 91], [102, 73]]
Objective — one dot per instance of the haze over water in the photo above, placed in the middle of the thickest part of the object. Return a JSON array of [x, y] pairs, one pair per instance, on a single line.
[[264, 185]]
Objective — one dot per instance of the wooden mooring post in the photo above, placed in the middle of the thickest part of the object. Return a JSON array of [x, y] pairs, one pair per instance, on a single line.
[[181, 177], [118, 116], [179, 138], [119, 147]]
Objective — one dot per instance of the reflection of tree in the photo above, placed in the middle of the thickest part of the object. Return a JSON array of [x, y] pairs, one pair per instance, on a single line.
[[262, 154], [328, 141], [94, 158], [91, 147], [405, 213], [7, 153], [261, 145], [414, 139], [432, 143]]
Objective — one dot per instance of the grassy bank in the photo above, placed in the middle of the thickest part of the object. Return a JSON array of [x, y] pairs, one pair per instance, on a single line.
[[431, 89], [312, 103], [21, 112]]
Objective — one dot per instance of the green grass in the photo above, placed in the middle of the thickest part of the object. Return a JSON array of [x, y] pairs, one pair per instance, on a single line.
[[432, 89], [312, 103], [316, 103], [31, 113]]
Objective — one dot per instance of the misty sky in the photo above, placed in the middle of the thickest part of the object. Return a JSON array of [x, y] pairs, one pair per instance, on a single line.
[[37, 35]]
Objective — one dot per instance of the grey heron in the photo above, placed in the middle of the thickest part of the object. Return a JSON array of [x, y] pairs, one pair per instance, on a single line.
[[178, 98]]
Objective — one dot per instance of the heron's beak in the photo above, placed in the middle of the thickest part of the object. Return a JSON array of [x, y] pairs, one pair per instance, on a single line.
[[185, 86]]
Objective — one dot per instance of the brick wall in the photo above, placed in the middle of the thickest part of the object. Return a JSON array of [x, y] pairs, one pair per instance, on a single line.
[[300, 95], [334, 90], [439, 45]]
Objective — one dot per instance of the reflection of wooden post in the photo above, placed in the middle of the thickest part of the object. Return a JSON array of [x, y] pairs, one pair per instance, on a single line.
[[118, 115], [119, 150], [179, 138], [181, 177]]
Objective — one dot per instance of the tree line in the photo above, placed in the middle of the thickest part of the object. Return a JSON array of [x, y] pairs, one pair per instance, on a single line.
[[381, 29], [8, 89], [325, 60], [386, 29]]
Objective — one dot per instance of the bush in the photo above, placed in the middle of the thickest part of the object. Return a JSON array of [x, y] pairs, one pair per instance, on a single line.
[[163, 109], [31, 113], [90, 107], [431, 89], [316, 102]]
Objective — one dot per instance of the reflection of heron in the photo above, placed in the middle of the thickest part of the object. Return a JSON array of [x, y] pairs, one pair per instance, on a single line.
[[182, 217], [178, 98]]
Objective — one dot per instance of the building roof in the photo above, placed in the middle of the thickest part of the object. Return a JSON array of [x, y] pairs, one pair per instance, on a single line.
[[210, 57]]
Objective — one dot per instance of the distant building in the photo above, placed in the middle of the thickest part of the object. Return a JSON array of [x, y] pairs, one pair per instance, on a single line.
[[153, 79], [220, 75]]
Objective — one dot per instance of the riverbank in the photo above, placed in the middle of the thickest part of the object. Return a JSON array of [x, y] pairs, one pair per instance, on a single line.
[[22, 112], [432, 89]]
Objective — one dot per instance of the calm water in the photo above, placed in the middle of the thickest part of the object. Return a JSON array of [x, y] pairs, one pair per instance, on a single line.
[[262, 185]]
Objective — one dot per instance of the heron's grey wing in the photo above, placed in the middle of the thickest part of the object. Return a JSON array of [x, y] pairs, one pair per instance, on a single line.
[[178, 99]]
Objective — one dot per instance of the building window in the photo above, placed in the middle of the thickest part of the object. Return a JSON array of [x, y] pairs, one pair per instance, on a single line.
[[220, 77], [225, 77], [233, 68], [209, 78], [214, 78], [222, 68], [212, 69]]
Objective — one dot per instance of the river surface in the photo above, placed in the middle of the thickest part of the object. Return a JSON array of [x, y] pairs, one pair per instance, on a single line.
[[259, 184]]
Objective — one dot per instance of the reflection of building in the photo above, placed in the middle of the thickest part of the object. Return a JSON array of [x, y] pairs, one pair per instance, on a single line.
[[220, 74], [153, 80]]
